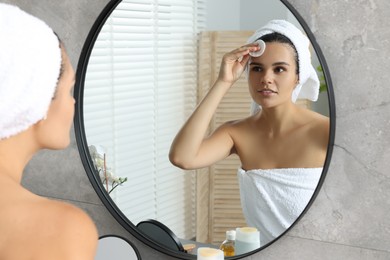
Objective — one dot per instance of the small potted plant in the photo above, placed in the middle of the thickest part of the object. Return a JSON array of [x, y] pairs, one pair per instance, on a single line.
[[106, 175]]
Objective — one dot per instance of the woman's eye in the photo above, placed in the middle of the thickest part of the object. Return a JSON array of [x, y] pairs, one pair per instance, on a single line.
[[279, 69], [256, 68]]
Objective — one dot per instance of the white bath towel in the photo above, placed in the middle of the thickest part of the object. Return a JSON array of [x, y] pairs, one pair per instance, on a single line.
[[273, 199], [309, 85], [30, 62]]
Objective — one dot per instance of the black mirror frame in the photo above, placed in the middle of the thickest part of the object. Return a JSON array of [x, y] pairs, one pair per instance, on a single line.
[[90, 169]]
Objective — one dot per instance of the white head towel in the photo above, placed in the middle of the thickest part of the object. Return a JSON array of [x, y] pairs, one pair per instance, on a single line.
[[309, 84], [30, 62]]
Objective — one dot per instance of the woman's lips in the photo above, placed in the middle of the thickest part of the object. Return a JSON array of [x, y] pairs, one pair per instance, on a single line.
[[267, 92]]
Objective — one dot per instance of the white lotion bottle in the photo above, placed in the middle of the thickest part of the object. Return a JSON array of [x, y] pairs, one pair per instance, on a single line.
[[247, 239]]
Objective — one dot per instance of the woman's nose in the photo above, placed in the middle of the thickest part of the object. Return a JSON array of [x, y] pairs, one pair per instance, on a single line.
[[267, 77]]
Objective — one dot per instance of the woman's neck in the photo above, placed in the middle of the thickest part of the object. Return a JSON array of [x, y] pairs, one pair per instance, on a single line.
[[15, 153], [279, 120]]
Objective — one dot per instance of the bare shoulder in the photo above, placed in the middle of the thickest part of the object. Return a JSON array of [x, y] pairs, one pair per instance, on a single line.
[[236, 128], [70, 218], [318, 127], [320, 122], [239, 123], [76, 235], [39, 228]]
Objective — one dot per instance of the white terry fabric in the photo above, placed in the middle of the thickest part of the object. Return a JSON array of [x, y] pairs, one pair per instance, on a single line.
[[309, 84], [30, 62], [273, 199]]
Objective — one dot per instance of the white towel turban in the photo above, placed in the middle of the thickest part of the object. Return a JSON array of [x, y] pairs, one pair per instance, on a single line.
[[30, 62], [309, 85]]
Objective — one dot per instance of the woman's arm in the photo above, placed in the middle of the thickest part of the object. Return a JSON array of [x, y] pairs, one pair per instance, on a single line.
[[190, 149]]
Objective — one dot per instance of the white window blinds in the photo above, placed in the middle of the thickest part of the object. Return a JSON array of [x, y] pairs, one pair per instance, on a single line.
[[140, 87]]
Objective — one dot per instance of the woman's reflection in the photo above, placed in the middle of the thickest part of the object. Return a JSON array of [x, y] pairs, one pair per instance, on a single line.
[[281, 146]]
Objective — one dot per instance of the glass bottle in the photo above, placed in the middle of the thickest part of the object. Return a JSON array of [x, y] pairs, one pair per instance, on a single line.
[[227, 246]]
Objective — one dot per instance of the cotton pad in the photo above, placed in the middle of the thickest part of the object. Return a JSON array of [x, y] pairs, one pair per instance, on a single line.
[[258, 53]]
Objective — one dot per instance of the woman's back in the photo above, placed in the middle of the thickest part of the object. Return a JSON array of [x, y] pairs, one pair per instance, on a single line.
[[33, 227]]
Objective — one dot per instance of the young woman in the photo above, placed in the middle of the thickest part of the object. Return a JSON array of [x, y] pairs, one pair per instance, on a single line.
[[36, 112], [282, 147]]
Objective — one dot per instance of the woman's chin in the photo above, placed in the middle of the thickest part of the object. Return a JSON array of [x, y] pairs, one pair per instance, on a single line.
[[59, 144]]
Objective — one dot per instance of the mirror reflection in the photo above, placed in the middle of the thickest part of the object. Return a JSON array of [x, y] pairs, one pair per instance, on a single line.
[[281, 146], [149, 68]]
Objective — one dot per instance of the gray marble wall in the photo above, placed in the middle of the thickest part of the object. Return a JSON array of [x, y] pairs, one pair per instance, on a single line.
[[349, 219]]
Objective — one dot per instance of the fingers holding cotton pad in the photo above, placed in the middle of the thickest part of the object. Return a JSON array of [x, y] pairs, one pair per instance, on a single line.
[[258, 53]]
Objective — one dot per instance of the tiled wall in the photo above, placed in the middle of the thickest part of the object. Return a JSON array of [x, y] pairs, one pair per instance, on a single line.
[[349, 219]]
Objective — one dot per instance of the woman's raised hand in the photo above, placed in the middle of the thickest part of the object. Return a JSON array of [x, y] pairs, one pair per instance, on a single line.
[[234, 62], [190, 149]]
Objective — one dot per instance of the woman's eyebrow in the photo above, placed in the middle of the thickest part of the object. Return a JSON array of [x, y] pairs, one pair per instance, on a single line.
[[255, 63], [273, 64], [280, 63]]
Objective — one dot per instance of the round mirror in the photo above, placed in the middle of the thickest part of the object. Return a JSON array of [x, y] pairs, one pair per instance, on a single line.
[[115, 247], [143, 69]]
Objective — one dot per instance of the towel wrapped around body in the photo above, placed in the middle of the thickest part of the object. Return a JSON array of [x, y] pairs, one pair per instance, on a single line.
[[273, 199]]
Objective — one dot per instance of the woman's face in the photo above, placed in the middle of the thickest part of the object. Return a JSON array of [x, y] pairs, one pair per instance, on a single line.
[[272, 76], [54, 131]]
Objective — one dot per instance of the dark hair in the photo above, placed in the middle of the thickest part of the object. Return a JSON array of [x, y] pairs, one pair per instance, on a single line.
[[280, 38], [62, 68]]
